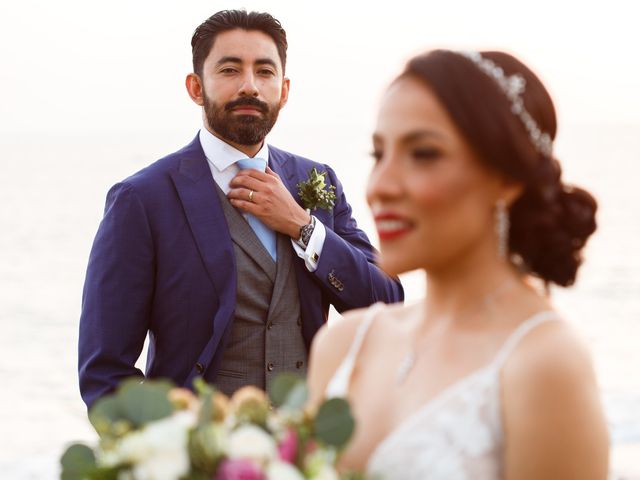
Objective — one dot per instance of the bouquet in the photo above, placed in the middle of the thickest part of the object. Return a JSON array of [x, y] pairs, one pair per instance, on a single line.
[[152, 431]]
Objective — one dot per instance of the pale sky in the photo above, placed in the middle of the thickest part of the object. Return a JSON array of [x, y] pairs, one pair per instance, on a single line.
[[70, 67]]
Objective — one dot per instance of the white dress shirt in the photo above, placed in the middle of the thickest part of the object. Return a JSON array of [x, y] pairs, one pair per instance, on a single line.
[[222, 159]]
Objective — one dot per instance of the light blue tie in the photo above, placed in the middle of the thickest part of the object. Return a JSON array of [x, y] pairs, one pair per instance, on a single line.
[[264, 233]]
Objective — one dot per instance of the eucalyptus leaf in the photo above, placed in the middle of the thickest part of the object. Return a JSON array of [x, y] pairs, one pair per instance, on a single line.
[[297, 397], [145, 402], [289, 390], [334, 423], [78, 462], [106, 411]]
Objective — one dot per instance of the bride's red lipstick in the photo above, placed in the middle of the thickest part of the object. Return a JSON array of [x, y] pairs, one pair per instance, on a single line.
[[391, 226]]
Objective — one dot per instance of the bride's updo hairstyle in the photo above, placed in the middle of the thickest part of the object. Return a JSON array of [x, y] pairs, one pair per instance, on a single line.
[[551, 221]]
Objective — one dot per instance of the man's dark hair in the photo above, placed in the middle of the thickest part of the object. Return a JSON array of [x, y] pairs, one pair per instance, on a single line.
[[226, 20]]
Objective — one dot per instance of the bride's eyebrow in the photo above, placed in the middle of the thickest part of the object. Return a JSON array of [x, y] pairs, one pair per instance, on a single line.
[[421, 135]]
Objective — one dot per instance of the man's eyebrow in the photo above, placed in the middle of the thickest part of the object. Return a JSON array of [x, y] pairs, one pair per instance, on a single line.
[[266, 61], [238, 60], [228, 59]]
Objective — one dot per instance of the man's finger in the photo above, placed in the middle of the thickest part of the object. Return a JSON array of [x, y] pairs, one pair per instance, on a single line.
[[244, 205], [252, 172], [243, 194], [271, 172], [246, 181]]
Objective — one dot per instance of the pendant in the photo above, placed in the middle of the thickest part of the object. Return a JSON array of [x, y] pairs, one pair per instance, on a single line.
[[405, 367]]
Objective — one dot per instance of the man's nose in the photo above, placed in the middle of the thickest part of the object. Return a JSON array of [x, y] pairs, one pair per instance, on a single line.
[[248, 86]]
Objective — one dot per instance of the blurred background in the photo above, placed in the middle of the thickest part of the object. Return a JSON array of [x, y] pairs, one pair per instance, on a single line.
[[92, 92]]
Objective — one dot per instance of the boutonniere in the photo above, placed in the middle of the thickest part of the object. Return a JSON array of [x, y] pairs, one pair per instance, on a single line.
[[315, 193]]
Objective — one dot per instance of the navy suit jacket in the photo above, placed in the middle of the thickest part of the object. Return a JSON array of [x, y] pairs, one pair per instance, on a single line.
[[162, 262]]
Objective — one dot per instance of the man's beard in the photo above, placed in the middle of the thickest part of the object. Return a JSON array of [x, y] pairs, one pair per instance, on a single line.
[[241, 129]]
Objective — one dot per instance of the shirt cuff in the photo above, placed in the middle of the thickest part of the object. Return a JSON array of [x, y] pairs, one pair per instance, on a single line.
[[311, 255]]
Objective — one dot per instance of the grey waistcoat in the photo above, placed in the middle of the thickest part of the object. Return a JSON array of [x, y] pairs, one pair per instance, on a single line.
[[266, 332]]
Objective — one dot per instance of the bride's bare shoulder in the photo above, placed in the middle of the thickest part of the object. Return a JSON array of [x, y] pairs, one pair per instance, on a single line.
[[333, 341], [552, 412], [552, 350]]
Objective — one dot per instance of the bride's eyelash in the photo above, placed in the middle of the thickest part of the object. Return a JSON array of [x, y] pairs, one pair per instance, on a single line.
[[426, 153], [376, 154]]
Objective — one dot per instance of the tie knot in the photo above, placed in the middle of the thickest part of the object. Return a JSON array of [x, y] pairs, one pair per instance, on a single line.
[[256, 163]]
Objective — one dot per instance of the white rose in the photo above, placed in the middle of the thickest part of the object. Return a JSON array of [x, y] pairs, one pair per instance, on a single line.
[[326, 473], [249, 441], [159, 451], [163, 466], [170, 433], [133, 448], [283, 471]]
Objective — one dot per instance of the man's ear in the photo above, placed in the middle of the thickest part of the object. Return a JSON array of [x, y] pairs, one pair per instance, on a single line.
[[284, 95], [194, 88]]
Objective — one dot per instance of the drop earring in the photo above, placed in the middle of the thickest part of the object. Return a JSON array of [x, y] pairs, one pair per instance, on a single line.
[[502, 227]]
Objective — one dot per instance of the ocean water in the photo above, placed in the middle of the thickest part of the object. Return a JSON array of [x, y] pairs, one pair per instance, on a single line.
[[52, 193]]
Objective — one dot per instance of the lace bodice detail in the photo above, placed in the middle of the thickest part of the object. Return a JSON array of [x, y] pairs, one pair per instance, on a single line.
[[457, 435]]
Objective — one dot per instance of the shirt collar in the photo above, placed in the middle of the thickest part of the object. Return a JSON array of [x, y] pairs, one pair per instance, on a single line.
[[222, 155]]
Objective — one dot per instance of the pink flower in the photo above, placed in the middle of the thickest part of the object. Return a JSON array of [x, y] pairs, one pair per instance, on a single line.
[[288, 447], [239, 469]]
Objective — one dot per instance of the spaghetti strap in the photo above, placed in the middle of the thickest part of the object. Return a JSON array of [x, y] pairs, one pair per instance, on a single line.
[[520, 332], [339, 384]]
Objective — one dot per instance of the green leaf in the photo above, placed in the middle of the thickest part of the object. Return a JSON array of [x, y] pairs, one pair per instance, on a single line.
[[334, 423], [288, 390], [105, 412], [201, 387], [314, 192], [144, 402], [135, 402], [206, 447], [78, 462], [206, 410], [297, 397]]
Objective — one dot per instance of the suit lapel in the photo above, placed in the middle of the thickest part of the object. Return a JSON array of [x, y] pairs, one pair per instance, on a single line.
[[279, 163], [196, 189]]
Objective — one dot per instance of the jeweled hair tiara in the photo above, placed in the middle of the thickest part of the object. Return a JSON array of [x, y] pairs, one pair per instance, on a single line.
[[513, 87]]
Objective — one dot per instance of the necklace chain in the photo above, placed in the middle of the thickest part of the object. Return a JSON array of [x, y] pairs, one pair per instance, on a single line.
[[409, 359]]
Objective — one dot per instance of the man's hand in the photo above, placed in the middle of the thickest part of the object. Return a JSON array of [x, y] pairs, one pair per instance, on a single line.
[[270, 201]]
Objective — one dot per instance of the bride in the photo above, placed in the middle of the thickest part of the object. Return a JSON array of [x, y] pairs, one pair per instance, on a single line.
[[482, 379]]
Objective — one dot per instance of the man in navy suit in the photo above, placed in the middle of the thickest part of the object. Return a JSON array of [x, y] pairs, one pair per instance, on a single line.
[[209, 250]]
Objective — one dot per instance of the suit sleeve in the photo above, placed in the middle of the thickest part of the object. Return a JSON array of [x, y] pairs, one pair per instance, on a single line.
[[346, 269], [117, 296]]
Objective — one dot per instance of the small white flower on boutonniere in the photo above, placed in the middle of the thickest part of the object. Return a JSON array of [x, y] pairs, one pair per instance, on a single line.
[[315, 193]]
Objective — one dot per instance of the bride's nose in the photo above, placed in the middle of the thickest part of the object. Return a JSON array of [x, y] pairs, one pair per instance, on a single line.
[[385, 179]]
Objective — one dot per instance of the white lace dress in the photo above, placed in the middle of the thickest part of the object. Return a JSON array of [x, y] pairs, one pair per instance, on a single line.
[[457, 435]]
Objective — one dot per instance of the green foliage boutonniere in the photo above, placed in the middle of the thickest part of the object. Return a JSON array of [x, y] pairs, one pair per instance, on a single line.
[[315, 193]]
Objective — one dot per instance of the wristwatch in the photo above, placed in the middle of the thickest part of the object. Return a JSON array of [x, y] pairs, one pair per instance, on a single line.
[[306, 231]]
